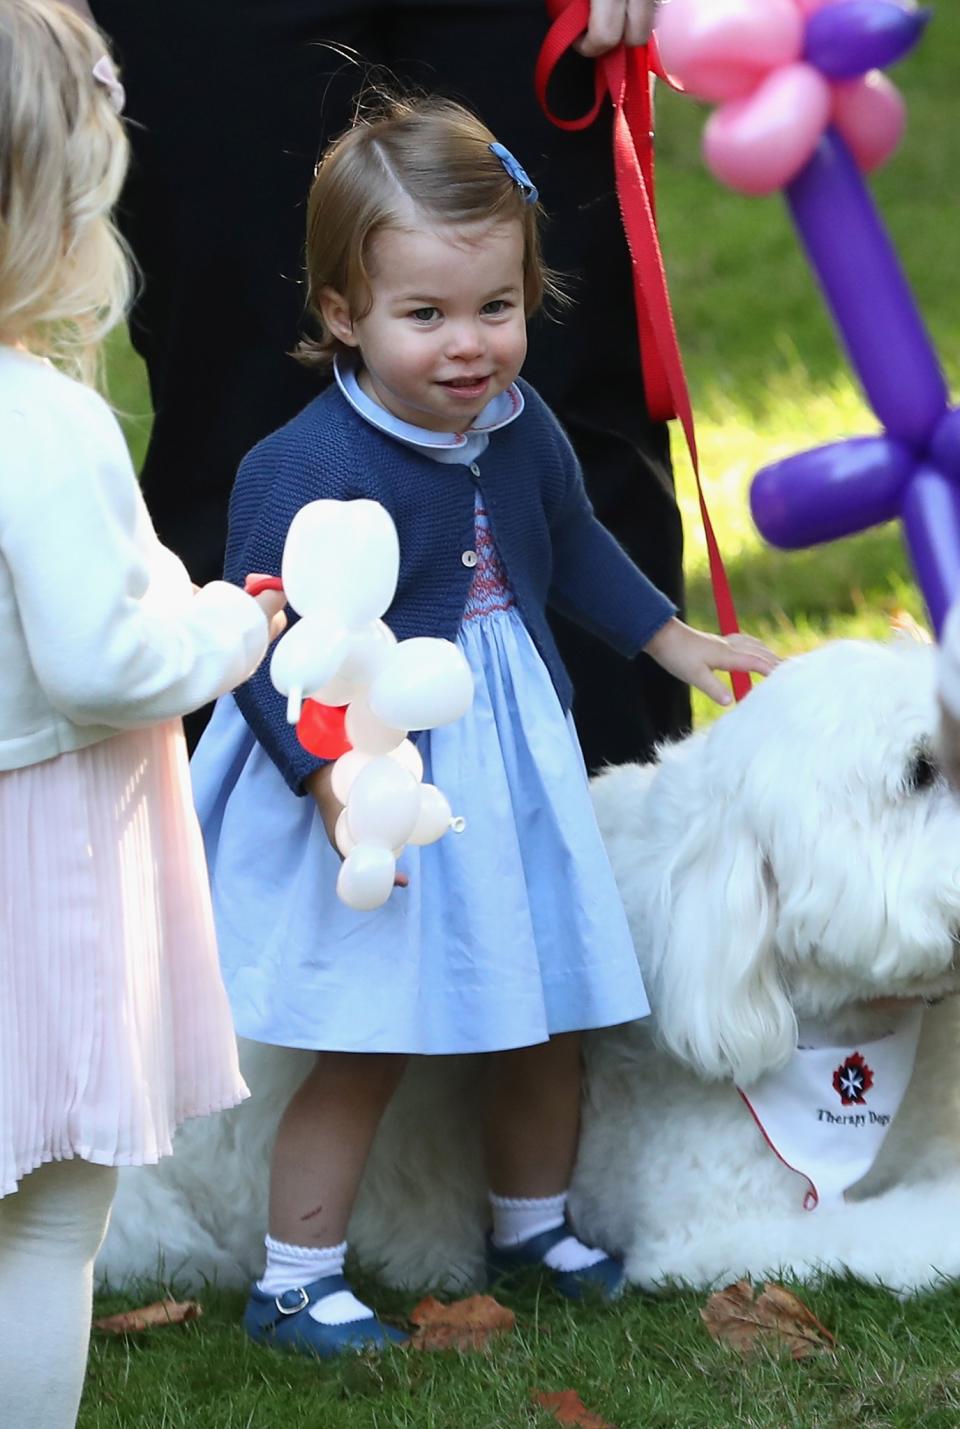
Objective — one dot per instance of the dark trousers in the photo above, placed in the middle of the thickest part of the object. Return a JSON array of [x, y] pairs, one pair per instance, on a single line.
[[231, 105]]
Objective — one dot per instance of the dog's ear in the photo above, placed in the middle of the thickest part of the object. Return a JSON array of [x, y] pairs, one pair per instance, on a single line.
[[714, 983]]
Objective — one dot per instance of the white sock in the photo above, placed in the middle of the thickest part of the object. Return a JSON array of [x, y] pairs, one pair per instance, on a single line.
[[290, 1266], [518, 1219]]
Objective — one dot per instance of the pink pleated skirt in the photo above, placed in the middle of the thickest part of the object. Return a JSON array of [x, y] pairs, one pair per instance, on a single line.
[[114, 1024]]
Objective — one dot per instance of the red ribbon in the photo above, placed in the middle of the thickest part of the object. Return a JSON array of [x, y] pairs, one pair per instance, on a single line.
[[624, 75]]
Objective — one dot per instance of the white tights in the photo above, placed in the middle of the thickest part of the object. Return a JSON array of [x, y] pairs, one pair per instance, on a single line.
[[50, 1232]]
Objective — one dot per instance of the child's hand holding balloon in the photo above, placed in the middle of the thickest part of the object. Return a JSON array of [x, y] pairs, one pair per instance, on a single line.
[[354, 692]]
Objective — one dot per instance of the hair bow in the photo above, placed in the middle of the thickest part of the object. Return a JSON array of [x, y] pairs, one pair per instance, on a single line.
[[517, 172]]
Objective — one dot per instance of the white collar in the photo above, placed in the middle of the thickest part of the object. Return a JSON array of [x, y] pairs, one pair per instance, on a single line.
[[499, 412]]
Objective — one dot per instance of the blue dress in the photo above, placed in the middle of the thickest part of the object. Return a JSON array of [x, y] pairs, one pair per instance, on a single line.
[[507, 933]]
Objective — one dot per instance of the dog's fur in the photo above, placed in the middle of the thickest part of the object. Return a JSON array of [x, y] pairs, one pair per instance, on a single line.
[[798, 859]]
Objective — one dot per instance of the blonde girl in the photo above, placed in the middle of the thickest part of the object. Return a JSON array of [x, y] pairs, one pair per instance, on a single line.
[[423, 265], [113, 1022]]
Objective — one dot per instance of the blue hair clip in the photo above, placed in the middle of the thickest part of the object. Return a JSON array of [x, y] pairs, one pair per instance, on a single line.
[[516, 171]]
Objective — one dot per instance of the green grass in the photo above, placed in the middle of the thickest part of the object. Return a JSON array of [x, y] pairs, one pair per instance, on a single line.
[[646, 1364], [767, 379]]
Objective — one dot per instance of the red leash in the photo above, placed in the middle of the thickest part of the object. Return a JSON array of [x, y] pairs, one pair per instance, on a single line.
[[623, 75]]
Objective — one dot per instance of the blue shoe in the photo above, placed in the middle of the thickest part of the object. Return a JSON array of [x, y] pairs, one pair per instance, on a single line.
[[284, 1322], [604, 1279]]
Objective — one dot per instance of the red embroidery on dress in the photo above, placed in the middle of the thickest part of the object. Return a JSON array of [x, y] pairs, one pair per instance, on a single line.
[[489, 590]]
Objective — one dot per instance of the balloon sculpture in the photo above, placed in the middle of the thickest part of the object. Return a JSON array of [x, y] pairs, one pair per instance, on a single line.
[[803, 106], [354, 692]]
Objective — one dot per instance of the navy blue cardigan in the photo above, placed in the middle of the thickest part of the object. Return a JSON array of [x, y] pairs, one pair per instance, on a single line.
[[554, 550]]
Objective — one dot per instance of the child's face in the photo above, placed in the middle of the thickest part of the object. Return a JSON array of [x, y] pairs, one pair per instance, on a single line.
[[446, 331]]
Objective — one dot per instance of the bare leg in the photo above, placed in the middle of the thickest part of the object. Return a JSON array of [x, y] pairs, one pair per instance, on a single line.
[[533, 1118], [532, 1130], [323, 1143]]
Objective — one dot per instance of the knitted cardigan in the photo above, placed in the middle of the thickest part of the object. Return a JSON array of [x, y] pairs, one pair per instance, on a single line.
[[554, 550]]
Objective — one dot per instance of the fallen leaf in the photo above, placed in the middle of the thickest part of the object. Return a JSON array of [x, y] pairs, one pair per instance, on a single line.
[[776, 1319], [161, 1312], [464, 1325], [567, 1407]]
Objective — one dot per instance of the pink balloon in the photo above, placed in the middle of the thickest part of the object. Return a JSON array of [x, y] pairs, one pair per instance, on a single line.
[[759, 144], [810, 7], [870, 113], [720, 49]]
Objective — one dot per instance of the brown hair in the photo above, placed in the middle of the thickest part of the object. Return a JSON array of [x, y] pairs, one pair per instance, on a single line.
[[429, 153], [64, 275]]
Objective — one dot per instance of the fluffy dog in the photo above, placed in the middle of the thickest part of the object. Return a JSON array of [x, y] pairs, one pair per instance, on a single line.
[[800, 859]]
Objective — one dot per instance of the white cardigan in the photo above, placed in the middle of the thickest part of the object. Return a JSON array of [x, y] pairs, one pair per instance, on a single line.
[[100, 629]]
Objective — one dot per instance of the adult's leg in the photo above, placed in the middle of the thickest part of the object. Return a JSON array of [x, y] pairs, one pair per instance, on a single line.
[[224, 103], [50, 1232], [231, 102], [587, 365]]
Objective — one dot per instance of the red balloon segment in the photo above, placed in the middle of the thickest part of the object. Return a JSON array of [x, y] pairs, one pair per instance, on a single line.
[[321, 729]]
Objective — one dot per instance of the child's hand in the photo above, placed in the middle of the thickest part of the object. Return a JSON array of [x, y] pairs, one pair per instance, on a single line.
[[319, 785], [692, 655], [272, 603]]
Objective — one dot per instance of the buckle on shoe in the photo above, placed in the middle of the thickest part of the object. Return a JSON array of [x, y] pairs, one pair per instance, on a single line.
[[301, 1304]]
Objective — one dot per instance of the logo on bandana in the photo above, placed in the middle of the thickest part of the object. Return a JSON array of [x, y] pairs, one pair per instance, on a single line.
[[852, 1080]]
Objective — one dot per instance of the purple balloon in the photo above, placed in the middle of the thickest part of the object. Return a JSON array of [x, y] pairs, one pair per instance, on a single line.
[[867, 292], [831, 491], [945, 445], [846, 40], [931, 519]]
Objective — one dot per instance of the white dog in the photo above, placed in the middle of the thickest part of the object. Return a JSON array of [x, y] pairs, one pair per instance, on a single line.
[[798, 861]]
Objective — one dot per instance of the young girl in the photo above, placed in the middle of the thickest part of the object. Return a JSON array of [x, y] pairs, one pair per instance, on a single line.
[[423, 265], [114, 1025]]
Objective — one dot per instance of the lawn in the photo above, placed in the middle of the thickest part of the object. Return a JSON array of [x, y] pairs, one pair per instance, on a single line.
[[767, 379], [647, 1364]]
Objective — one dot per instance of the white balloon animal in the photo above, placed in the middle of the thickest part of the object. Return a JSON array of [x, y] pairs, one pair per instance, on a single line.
[[340, 566]]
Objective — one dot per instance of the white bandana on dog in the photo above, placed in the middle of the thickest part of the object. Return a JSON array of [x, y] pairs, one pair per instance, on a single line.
[[826, 1114]]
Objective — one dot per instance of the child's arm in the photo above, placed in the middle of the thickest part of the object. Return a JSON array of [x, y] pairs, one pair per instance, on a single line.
[[274, 481], [318, 786], [115, 633], [265, 499], [596, 584]]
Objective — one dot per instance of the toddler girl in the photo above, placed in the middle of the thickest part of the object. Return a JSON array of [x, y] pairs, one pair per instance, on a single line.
[[114, 1025], [423, 265]]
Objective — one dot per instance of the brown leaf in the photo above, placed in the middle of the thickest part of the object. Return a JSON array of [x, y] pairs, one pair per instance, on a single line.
[[776, 1319], [161, 1312], [465, 1325], [567, 1407]]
